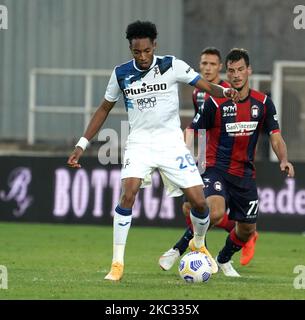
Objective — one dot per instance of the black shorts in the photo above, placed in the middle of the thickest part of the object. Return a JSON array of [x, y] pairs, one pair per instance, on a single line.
[[240, 194]]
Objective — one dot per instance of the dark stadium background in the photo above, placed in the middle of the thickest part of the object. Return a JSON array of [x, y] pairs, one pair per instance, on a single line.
[[45, 37]]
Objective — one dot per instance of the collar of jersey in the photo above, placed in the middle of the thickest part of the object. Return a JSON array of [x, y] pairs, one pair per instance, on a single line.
[[246, 98], [151, 66]]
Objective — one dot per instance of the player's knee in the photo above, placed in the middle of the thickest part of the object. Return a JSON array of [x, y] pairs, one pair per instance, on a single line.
[[216, 215], [128, 199], [199, 205]]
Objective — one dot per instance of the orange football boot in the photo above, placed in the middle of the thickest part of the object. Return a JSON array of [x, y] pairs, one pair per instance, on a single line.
[[248, 250], [116, 272]]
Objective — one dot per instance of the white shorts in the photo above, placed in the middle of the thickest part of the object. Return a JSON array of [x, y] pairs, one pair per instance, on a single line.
[[175, 164]]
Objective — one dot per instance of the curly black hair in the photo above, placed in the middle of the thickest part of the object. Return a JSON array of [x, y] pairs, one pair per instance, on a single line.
[[236, 54], [141, 29]]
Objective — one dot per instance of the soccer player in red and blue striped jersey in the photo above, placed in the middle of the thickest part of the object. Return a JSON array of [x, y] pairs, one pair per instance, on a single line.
[[232, 134]]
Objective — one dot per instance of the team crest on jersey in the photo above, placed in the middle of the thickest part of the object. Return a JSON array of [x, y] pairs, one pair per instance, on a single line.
[[254, 111], [218, 186], [126, 163], [156, 71]]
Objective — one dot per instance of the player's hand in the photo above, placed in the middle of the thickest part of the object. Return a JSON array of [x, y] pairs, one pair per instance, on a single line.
[[231, 94], [74, 157], [288, 168]]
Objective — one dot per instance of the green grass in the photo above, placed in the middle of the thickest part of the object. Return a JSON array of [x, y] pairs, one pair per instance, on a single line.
[[69, 262]]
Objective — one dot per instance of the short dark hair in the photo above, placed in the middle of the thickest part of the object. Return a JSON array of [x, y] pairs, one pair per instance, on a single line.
[[211, 50], [141, 29], [236, 54]]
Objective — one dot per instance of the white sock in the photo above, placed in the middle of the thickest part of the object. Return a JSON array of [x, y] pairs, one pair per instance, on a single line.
[[200, 227], [121, 226]]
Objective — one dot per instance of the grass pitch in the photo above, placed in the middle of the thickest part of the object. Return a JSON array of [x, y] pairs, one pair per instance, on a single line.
[[69, 262]]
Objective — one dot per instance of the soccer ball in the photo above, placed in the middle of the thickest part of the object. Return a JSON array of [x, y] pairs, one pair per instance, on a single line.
[[195, 267]]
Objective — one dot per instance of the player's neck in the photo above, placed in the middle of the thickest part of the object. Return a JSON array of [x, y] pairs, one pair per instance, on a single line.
[[150, 66], [244, 92], [217, 80]]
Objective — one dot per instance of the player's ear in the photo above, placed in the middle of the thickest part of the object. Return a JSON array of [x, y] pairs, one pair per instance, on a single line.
[[220, 67], [154, 44], [249, 70]]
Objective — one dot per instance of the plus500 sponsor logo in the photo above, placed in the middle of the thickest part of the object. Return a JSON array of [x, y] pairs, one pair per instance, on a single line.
[[144, 89]]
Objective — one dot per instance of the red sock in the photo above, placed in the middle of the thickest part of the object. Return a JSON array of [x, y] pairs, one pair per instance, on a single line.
[[235, 240], [188, 221], [225, 223]]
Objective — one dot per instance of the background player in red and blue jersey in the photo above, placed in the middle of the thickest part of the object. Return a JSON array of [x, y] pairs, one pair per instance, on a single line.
[[210, 65], [232, 134]]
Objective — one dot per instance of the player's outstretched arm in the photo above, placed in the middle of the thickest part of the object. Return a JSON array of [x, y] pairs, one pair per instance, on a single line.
[[280, 149], [217, 91], [94, 126]]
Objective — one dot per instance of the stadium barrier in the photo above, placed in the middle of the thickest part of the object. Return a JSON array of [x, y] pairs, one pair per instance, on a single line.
[[43, 189]]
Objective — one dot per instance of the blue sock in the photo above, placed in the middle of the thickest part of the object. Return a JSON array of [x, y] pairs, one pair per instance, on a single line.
[[228, 250], [183, 243]]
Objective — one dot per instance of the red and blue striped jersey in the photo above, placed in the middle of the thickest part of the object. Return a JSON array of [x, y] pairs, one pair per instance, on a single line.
[[233, 130]]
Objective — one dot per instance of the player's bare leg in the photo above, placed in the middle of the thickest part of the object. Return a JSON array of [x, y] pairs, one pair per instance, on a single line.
[[121, 225]]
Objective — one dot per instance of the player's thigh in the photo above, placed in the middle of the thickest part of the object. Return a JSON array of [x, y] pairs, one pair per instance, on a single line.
[[243, 203], [214, 187], [137, 163], [178, 166]]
